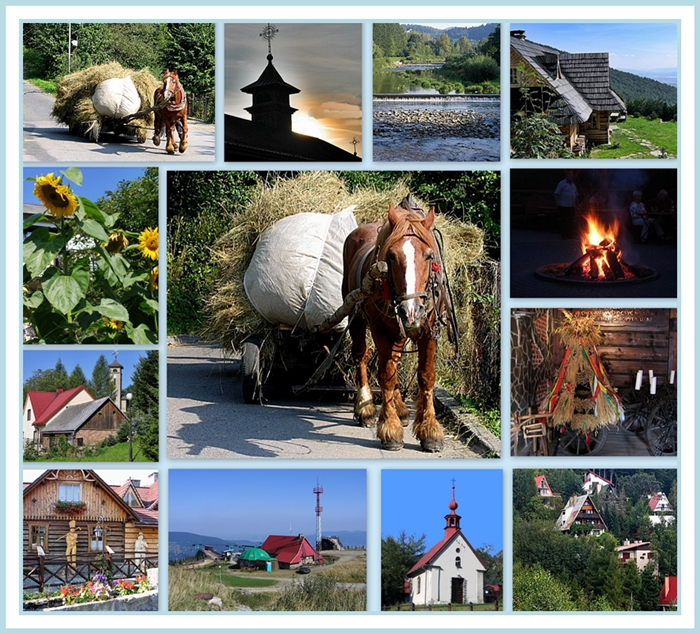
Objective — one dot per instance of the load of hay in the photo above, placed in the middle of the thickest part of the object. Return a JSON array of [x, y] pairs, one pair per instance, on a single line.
[[582, 368], [74, 100], [232, 318]]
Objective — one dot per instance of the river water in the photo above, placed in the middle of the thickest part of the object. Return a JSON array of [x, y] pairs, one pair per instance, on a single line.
[[398, 142]]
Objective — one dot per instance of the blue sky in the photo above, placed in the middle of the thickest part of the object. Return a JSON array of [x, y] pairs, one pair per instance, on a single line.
[[96, 180], [416, 502], [46, 360], [251, 504], [632, 46]]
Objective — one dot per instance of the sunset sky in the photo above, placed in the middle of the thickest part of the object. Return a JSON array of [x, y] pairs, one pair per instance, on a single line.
[[324, 61]]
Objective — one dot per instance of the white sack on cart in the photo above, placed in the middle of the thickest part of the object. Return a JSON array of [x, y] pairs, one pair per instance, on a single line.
[[117, 98], [296, 272]]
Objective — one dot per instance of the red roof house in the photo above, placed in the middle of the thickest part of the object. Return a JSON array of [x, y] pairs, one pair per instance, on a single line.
[[41, 407], [291, 551], [669, 593]]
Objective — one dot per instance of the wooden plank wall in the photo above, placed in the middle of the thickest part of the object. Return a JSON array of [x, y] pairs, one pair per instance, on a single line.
[[634, 339]]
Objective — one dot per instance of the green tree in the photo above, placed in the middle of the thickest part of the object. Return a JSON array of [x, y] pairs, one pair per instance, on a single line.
[[491, 45], [135, 201], [77, 377], [145, 403], [190, 49], [523, 487], [649, 591], [101, 383], [390, 38], [536, 589], [398, 557], [534, 136], [48, 380], [137, 45], [631, 585], [444, 44], [494, 563]]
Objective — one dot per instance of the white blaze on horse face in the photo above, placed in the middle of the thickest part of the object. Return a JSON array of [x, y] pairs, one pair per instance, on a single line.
[[409, 252]]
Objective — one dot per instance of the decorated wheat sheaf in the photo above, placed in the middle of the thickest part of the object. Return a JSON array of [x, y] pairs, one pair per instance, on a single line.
[[231, 317], [582, 365]]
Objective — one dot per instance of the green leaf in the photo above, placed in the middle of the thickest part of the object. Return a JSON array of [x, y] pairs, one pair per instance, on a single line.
[[92, 211], [74, 175], [63, 292], [32, 220], [117, 264], [93, 228], [81, 274], [40, 249], [149, 306], [132, 278], [141, 335], [34, 300], [112, 310]]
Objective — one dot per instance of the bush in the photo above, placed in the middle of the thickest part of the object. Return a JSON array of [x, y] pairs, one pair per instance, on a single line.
[[110, 441], [34, 63], [123, 433], [534, 136]]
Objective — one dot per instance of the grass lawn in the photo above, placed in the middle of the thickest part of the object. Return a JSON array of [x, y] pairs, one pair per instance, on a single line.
[[638, 137], [46, 86], [115, 453]]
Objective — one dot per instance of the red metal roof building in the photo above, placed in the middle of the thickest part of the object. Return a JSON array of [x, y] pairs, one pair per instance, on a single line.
[[291, 551]]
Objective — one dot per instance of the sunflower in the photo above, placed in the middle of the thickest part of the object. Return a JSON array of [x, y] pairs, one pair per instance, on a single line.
[[55, 196], [114, 324], [148, 243], [153, 278], [116, 242]]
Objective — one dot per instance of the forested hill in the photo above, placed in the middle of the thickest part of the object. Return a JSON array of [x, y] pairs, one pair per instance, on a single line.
[[630, 86], [472, 33]]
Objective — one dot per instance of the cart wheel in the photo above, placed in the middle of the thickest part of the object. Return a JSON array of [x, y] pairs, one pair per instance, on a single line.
[[662, 432], [250, 368], [576, 443]]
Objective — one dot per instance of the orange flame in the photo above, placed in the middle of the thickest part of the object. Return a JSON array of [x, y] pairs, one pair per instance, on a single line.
[[598, 233]]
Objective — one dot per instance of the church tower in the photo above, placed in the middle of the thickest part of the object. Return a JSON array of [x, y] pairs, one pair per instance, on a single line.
[[271, 93], [452, 519], [115, 370]]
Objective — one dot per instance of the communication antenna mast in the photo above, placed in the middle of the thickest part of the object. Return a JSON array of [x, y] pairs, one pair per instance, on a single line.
[[318, 490]]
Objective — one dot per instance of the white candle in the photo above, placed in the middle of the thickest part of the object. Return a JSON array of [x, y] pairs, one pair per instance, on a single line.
[[651, 375], [653, 385], [673, 376], [638, 383]]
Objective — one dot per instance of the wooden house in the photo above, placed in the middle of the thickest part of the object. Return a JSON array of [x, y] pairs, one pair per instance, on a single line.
[[580, 510], [291, 551], [64, 501], [594, 483], [451, 571], [544, 490], [661, 511], [638, 553], [572, 88], [71, 414], [668, 597]]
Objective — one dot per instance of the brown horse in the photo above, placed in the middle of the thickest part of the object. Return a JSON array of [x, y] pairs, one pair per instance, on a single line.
[[170, 110], [402, 307]]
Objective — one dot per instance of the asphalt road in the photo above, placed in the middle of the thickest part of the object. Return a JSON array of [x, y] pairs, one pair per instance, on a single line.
[[45, 140], [207, 418]]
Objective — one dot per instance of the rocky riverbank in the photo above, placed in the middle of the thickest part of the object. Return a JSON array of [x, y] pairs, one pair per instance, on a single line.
[[421, 123]]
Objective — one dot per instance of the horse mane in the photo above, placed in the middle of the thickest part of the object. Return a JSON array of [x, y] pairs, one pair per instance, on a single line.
[[410, 223]]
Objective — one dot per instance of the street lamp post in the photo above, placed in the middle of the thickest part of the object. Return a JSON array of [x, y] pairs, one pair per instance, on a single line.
[[129, 396]]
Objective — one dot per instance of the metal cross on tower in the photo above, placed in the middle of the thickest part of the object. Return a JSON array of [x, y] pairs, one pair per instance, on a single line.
[[268, 33], [318, 490]]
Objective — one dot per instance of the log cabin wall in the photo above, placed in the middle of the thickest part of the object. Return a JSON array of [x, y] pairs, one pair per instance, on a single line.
[[39, 502], [633, 339], [55, 546], [600, 132], [150, 534]]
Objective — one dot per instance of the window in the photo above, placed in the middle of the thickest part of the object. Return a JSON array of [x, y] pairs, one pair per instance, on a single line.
[[38, 535], [80, 442], [98, 537], [69, 492], [418, 585], [29, 413], [130, 499], [458, 562], [513, 76]]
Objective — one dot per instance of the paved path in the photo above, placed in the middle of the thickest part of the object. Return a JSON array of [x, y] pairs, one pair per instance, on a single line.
[[46, 140], [531, 250], [207, 418]]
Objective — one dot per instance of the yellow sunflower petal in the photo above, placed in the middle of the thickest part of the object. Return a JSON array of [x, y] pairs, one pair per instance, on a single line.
[[148, 243], [55, 196]]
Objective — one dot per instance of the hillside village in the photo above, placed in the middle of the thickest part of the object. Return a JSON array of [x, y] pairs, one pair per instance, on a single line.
[[594, 540]]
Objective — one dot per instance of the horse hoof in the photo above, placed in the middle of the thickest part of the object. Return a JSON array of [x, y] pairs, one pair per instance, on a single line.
[[171, 152], [404, 420], [431, 446], [366, 421], [156, 141], [390, 444]]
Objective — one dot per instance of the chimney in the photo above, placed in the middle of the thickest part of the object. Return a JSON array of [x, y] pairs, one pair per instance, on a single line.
[[136, 483], [518, 35], [59, 390]]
